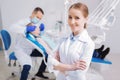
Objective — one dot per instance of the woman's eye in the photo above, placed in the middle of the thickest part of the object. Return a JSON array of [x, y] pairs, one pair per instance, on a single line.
[[77, 18], [70, 17]]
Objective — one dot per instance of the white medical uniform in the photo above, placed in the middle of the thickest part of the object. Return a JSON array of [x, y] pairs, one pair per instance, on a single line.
[[20, 26], [22, 50], [22, 47], [73, 48]]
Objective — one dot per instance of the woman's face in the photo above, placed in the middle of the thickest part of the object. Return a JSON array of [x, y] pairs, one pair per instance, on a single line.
[[76, 20]]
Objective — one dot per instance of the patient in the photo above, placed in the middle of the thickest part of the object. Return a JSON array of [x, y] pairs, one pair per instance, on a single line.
[[35, 32], [23, 50]]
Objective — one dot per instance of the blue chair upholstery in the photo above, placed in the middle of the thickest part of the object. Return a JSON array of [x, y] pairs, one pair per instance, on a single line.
[[101, 61], [6, 39]]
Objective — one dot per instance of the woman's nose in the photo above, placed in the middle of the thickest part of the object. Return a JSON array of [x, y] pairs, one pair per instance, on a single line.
[[72, 21]]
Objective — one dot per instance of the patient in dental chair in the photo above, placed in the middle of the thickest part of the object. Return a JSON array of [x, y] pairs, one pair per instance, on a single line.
[[23, 49], [37, 33]]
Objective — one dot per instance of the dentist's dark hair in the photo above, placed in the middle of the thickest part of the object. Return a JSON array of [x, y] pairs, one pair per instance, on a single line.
[[38, 9]]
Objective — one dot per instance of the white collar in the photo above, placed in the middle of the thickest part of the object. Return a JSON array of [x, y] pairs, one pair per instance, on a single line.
[[83, 36]]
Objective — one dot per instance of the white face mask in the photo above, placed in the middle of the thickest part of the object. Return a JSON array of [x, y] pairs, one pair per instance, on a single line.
[[35, 20]]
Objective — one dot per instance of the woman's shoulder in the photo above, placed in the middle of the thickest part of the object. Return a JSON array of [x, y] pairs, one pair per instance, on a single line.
[[67, 37], [85, 38]]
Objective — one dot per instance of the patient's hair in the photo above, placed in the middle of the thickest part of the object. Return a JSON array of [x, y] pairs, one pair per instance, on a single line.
[[38, 9]]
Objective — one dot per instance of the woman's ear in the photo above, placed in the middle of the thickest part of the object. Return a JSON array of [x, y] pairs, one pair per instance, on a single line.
[[86, 20]]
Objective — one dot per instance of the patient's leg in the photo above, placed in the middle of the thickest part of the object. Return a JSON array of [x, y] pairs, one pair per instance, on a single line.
[[42, 67], [25, 72]]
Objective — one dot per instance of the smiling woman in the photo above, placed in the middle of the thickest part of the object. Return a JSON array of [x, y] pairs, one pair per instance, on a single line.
[[75, 51], [77, 19]]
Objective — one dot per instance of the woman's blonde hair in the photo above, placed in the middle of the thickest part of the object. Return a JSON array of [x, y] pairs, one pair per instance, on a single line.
[[83, 8]]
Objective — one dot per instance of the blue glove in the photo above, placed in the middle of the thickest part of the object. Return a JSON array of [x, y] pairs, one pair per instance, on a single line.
[[42, 27], [30, 28]]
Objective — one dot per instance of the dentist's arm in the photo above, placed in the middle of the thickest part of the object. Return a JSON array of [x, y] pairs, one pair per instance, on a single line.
[[87, 54], [78, 65], [19, 27], [69, 67]]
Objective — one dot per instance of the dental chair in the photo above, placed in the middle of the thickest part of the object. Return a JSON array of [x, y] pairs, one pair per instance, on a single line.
[[97, 68], [42, 50], [10, 57]]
